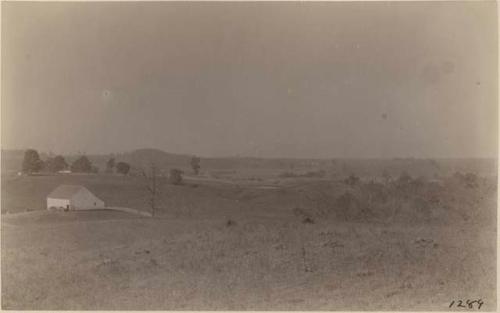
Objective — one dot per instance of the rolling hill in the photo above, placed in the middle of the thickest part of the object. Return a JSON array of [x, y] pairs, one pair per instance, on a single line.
[[366, 167]]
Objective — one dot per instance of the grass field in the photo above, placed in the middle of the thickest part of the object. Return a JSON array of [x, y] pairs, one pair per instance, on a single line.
[[298, 244]]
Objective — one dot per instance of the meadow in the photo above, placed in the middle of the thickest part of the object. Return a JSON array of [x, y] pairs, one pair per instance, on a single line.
[[253, 240]]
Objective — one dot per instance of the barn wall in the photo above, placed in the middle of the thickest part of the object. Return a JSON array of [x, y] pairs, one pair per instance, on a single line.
[[85, 200], [57, 203]]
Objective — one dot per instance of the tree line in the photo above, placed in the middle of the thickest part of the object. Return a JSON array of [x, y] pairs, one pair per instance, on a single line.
[[32, 163]]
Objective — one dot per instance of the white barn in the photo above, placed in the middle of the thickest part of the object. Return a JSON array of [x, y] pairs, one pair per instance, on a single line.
[[73, 197]]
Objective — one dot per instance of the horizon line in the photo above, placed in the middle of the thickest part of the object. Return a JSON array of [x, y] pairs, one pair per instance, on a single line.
[[253, 157]]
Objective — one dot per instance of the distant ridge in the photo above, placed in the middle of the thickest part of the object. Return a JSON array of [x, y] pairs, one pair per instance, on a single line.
[[140, 158], [146, 156]]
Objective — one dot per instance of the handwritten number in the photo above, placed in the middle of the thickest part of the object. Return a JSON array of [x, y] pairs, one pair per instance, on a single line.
[[468, 304], [480, 302]]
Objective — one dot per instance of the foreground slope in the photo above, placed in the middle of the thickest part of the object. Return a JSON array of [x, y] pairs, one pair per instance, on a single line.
[[119, 262]]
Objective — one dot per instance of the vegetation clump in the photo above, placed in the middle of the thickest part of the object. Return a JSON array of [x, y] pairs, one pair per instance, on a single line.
[[81, 165], [175, 177], [55, 164], [195, 164], [352, 180], [31, 162], [310, 174], [122, 168]]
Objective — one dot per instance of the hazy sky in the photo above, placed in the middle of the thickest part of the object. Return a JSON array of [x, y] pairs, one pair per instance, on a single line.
[[295, 79]]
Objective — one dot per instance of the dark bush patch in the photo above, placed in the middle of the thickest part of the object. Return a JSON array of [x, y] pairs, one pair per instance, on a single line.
[[175, 177], [308, 220], [319, 173], [351, 180]]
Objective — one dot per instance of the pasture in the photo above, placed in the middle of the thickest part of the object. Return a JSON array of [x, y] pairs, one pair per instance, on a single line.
[[243, 243]]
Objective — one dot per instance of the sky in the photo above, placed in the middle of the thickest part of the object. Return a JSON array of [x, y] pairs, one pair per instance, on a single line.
[[295, 79]]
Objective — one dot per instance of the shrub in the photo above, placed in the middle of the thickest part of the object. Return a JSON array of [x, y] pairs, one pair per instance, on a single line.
[[404, 178], [122, 168], [308, 220], [351, 180], [319, 173], [471, 180], [175, 177]]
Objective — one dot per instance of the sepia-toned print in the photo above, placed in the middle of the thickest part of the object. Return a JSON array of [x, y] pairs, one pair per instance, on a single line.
[[270, 156]]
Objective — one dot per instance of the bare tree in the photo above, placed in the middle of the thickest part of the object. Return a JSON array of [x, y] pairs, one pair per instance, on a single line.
[[153, 183]]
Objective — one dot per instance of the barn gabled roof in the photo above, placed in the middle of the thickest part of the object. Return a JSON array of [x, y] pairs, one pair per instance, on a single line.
[[65, 191]]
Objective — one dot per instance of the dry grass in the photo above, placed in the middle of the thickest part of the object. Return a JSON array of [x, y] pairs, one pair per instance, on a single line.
[[191, 257]]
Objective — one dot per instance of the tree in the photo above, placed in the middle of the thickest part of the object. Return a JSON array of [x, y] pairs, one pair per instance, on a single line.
[[175, 177], [195, 164], [122, 168], [110, 165], [31, 162], [81, 165], [56, 164], [153, 184]]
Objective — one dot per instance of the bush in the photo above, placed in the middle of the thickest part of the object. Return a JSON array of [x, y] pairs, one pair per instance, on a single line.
[[320, 173], [351, 180], [471, 180], [175, 177], [308, 220], [122, 168], [404, 178]]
